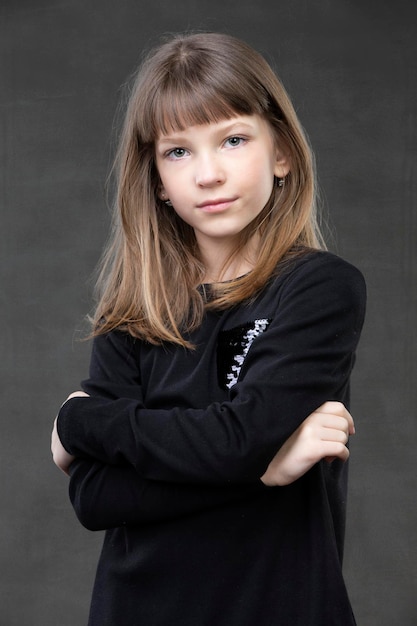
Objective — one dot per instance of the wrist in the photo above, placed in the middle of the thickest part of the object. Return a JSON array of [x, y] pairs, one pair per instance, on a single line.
[[274, 477]]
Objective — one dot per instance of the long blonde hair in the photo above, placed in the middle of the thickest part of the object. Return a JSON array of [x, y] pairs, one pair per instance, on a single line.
[[151, 271]]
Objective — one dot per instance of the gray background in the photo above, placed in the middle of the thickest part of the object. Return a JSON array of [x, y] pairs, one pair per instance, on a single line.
[[350, 67]]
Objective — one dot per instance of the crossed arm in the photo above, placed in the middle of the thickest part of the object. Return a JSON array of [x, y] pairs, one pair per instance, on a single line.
[[105, 496], [322, 435]]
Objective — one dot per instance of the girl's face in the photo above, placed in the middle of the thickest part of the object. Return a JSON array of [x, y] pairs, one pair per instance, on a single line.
[[219, 176]]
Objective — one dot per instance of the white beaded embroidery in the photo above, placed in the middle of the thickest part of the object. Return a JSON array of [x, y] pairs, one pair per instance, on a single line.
[[259, 326]]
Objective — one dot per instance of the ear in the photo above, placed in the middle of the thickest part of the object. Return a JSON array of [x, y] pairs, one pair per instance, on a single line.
[[162, 194], [282, 165]]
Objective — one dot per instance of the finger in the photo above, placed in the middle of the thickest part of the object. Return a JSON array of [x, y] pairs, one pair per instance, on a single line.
[[332, 450], [324, 423], [336, 435], [334, 422], [78, 394], [338, 409]]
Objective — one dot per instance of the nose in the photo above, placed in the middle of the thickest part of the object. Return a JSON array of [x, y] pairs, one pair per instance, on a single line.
[[209, 171]]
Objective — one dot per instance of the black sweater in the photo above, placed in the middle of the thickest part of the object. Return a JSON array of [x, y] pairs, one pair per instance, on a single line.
[[171, 444]]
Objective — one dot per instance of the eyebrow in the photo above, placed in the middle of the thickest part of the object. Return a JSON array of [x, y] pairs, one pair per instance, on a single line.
[[227, 128]]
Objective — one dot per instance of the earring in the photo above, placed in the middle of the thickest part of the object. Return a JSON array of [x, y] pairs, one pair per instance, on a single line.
[[281, 182], [164, 198]]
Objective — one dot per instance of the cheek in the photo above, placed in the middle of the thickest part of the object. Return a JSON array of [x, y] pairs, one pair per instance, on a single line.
[[262, 188], [260, 177], [164, 183], [163, 174], [174, 183]]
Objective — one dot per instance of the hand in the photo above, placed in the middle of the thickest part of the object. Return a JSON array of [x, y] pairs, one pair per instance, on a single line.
[[61, 457], [323, 435], [77, 394]]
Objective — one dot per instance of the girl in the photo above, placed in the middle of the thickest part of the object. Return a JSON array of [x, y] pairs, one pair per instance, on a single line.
[[221, 326]]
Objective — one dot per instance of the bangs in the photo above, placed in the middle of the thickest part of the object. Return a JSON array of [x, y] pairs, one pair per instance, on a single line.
[[192, 100], [176, 112]]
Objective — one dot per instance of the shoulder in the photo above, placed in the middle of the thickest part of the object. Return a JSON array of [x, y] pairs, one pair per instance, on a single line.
[[116, 346], [320, 283], [318, 266]]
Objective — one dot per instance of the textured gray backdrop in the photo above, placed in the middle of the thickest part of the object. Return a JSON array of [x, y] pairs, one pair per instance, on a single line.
[[350, 67]]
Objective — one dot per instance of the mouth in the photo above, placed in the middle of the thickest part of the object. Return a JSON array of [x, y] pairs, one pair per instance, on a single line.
[[216, 205]]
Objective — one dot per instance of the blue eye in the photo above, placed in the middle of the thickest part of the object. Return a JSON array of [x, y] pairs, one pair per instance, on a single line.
[[176, 153], [234, 141]]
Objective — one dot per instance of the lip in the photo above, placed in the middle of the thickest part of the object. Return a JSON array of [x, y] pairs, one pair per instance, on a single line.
[[216, 205]]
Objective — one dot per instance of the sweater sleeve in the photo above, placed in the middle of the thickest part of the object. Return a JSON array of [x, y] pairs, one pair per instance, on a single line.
[[303, 359], [106, 496], [114, 370]]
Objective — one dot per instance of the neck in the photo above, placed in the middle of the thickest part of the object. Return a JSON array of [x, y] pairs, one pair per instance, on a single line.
[[222, 265]]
